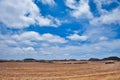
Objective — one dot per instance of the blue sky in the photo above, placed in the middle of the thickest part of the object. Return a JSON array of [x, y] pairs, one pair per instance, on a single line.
[[59, 29]]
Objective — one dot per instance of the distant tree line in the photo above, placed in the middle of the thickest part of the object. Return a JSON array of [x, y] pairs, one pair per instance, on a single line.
[[104, 59], [51, 61]]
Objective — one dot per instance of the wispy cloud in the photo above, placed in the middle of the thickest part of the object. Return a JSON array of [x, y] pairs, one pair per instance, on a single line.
[[77, 37], [48, 2], [80, 8], [107, 18]]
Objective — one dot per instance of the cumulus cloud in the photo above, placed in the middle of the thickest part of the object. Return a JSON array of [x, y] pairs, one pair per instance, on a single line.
[[103, 49], [77, 37], [108, 18], [18, 51], [53, 38], [23, 13], [99, 40], [27, 43], [27, 36], [80, 8], [48, 2], [31, 38], [85, 50]]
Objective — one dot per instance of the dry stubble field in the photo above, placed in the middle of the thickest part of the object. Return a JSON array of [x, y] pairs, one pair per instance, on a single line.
[[59, 71]]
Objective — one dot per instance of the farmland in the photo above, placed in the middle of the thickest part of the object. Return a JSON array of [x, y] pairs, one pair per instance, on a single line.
[[76, 70]]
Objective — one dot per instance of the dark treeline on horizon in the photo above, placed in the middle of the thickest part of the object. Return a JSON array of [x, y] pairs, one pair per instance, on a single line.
[[36, 60]]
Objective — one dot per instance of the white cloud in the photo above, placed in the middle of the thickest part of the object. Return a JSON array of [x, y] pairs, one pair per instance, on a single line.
[[22, 50], [108, 18], [77, 37], [23, 13], [6, 49], [81, 9], [27, 43], [49, 21], [102, 38], [48, 2], [104, 49], [100, 3], [28, 49], [27, 37], [100, 33], [53, 38], [71, 4]]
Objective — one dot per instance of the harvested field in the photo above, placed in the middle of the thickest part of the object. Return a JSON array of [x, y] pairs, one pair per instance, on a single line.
[[59, 71]]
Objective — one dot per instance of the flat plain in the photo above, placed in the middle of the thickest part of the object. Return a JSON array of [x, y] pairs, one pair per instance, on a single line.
[[89, 70]]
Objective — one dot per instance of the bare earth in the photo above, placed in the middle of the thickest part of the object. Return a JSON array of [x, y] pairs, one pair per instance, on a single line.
[[59, 71]]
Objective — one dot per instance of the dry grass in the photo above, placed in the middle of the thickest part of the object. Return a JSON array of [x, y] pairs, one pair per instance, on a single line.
[[59, 71]]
